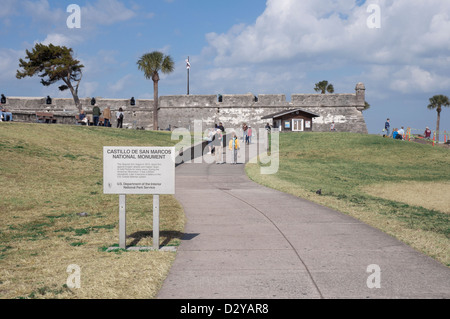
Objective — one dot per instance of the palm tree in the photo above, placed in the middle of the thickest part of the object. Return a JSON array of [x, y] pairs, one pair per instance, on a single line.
[[436, 103], [323, 87], [151, 64]]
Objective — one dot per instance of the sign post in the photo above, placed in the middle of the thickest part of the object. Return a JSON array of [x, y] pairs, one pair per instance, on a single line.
[[156, 222], [122, 222], [141, 171]]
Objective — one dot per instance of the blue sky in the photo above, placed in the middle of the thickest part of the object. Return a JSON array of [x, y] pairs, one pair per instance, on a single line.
[[236, 47]]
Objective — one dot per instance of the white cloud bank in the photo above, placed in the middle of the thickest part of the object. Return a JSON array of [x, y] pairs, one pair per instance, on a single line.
[[53, 21], [292, 37]]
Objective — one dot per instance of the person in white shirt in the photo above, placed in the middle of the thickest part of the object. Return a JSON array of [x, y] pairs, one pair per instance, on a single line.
[[119, 116], [402, 133]]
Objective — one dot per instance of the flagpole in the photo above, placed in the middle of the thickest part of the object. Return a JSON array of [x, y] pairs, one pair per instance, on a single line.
[[188, 68]]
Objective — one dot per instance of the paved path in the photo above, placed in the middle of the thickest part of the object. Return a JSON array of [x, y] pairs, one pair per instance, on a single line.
[[243, 240]]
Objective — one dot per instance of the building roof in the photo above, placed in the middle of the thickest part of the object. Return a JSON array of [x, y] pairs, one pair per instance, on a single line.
[[283, 113]]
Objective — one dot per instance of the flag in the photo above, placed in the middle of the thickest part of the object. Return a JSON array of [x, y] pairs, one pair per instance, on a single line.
[[188, 64]]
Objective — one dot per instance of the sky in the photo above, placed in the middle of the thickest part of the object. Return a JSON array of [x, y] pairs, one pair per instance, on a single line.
[[400, 49]]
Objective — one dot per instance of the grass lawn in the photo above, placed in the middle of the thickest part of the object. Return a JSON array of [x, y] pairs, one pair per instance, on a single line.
[[402, 188], [49, 174]]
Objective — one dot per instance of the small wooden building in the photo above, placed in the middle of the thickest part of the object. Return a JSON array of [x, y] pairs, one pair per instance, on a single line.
[[296, 120]]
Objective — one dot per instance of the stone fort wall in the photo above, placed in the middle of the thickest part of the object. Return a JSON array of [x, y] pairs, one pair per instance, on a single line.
[[233, 110]]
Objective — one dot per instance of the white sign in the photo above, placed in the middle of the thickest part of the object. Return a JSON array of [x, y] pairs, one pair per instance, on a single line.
[[139, 170]]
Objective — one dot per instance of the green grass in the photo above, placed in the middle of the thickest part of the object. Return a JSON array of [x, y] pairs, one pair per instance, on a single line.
[[342, 165], [48, 175]]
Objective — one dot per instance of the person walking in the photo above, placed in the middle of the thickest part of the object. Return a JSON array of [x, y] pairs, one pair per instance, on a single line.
[[245, 132], [209, 139], [218, 147], [234, 147], [96, 114], [107, 116], [250, 134], [119, 116]]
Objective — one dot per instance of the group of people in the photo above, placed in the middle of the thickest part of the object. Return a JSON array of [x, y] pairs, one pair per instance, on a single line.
[[399, 134], [96, 113], [215, 140]]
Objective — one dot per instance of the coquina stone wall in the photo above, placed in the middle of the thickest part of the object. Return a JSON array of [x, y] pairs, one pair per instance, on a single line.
[[64, 110], [181, 111]]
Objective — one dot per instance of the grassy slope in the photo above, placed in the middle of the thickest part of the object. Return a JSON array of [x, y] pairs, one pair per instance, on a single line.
[[347, 166], [48, 174]]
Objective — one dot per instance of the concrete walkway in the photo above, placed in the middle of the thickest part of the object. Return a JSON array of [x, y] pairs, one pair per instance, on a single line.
[[243, 240]]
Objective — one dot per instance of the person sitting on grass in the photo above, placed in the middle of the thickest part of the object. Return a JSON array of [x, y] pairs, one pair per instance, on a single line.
[[401, 134], [6, 115], [395, 133], [82, 118], [427, 133]]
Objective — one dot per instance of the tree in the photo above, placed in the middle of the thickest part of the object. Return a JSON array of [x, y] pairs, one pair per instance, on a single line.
[[323, 87], [366, 107], [436, 103], [53, 64], [151, 64]]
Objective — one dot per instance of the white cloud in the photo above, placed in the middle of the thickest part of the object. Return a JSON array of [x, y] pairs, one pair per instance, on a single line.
[[306, 36], [290, 28], [105, 12], [42, 14], [88, 89], [53, 21], [8, 8], [118, 86], [58, 40], [412, 79], [9, 62]]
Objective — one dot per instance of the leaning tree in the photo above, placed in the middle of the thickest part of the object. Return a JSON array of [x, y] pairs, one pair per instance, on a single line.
[[53, 64], [151, 64], [323, 87], [436, 103]]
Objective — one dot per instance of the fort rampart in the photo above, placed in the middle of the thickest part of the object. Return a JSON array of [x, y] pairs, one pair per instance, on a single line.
[[232, 110]]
